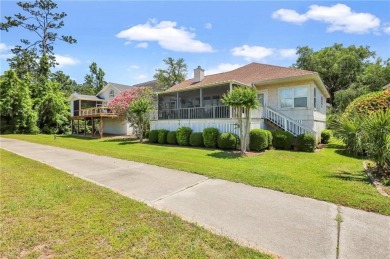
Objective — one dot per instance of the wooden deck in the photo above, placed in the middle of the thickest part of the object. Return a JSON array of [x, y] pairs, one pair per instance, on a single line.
[[94, 112]]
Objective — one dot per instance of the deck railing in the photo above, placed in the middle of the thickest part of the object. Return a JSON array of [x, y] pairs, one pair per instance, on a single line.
[[212, 112], [96, 111]]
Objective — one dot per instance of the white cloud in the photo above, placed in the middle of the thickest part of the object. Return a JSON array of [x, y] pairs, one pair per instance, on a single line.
[[142, 45], [208, 26], [223, 67], [386, 30], [340, 17], [141, 77], [252, 52], [134, 67], [287, 53], [66, 61], [288, 15], [167, 35], [5, 51]]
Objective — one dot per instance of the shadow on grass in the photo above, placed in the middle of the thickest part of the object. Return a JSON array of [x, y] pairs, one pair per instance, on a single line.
[[343, 152], [225, 155], [76, 137], [346, 176]]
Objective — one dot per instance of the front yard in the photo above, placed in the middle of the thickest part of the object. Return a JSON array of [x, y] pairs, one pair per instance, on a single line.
[[328, 175], [46, 213]]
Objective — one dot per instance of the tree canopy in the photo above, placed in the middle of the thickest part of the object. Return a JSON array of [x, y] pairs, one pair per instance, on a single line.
[[175, 72], [40, 18]]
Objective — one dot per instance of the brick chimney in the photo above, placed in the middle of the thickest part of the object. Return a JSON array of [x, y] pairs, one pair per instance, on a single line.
[[198, 74]]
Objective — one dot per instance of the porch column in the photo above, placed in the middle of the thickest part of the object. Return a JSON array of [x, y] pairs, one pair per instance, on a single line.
[[201, 97], [230, 108], [78, 126], [177, 100], [101, 127], [85, 126]]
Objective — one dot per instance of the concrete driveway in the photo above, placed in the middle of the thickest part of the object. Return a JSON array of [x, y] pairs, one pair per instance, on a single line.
[[286, 225]]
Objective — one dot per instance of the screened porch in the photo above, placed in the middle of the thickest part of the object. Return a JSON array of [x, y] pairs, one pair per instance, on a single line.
[[203, 103]]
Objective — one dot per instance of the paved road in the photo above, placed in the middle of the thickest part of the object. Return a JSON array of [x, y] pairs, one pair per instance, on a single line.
[[275, 222]]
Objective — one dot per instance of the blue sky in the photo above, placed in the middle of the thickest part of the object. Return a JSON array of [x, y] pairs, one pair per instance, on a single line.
[[130, 39]]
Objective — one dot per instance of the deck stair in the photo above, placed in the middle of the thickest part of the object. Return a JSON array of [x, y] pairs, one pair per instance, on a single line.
[[285, 123]]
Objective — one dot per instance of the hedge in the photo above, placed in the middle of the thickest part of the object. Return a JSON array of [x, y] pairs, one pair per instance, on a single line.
[[269, 135], [325, 136], [306, 142], [368, 103], [196, 139], [227, 140], [153, 136], [162, 136], [258, 139], [210, 136], [183, 136], [282, 139], [171, 138]]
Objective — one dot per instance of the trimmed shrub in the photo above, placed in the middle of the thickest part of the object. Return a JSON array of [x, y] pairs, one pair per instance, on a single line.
[[171, 138], [147, 134], [153, 136], [162, 136], [210, 136], [325, 136], [227, 140], [269, 135], [183, 136], [306, 142], [282, 139], [258, 139], [196, 139], [368, 103]]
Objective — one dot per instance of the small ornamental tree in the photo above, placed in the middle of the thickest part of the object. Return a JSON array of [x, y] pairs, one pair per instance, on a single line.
[[121, 103], [139, 108], [242, 99]]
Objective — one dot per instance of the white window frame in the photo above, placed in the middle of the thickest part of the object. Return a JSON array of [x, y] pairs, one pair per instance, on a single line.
[[111, 94], [293, 96]]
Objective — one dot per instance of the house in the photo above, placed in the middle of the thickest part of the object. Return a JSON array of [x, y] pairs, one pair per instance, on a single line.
[[292, 99], [93, 109]]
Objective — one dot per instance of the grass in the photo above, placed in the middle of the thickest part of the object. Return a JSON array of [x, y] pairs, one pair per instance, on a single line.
[[47, 213], [328, 175]]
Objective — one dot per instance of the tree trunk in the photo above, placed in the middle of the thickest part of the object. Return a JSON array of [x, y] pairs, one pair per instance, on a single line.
[[247, 124], [242, 131]]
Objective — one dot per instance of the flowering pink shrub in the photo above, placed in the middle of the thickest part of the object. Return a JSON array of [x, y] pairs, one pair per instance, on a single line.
[[120, 104]]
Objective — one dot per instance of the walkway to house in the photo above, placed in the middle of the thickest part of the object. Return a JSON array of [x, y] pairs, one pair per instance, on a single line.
[[283, 224]]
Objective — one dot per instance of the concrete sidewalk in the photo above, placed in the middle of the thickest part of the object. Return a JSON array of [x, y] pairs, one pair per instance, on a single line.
[[283, 224]]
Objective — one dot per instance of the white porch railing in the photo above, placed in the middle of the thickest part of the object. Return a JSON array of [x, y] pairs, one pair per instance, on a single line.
[[286, 123], [96, 111], [211, 112]]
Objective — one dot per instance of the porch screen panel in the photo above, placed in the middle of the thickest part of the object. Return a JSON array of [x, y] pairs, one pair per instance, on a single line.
[[212, 95], [76, 108]]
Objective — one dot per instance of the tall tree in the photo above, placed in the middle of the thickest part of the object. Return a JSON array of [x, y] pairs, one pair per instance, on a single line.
[[17, 115], [242, 99], [337, 65], [40, 18], [67, 85], [175, 73], [95, 78], [24, 62]]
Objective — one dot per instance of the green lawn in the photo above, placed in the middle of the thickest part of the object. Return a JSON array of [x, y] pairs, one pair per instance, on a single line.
[[48, 213], [328, 175]]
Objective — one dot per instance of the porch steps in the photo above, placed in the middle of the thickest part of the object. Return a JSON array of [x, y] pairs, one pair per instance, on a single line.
[[277, 120]]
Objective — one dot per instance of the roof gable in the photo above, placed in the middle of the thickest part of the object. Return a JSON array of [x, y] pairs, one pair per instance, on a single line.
[[119, 87]]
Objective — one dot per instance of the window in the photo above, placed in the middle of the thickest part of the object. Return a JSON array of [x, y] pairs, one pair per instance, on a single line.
[[315, 98], [111, 94], [293, 97], [261, 99]]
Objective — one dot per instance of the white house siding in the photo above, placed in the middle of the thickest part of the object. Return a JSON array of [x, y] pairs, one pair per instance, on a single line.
[[198, 125], [116, 127], [106, 94]]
